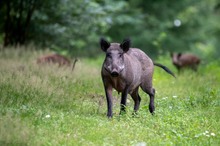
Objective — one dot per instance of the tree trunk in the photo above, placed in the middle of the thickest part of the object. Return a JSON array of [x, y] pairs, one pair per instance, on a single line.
[[16, 24], [7, 24]]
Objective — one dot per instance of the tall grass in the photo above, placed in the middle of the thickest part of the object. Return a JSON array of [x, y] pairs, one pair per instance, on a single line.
[[48, 105]]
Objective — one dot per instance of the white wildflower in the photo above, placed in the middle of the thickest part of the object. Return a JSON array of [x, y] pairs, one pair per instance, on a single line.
[[141, 144], [47, 116], [164, 98], [212, 134], [198, 135], [174, 96]]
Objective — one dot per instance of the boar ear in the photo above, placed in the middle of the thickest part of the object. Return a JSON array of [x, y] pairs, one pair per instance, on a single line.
[[178, 55], [125, 45], [104, 44]]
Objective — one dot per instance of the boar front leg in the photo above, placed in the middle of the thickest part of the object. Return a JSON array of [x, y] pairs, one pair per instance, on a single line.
[[124, 100], [108, 93], [194, 67]]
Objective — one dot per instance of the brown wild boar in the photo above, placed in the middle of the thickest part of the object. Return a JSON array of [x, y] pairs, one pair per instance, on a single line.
[[126, 69], [56, 59], [185, 61]]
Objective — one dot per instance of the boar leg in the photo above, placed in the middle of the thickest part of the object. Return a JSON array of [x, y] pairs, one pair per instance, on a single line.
[[178, 68], [123, 100], [137, 100], [151, 105], [151, 92], [194, 67], [108, 92]]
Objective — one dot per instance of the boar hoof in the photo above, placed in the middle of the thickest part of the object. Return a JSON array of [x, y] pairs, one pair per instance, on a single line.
[[151, 109], [109, 116]]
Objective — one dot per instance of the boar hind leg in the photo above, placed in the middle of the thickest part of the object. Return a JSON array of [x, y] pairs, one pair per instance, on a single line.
[[137, 99], [151, 105], [151, 93]]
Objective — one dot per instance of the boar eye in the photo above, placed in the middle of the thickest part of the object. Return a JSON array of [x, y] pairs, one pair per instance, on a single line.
[[120, 55], [108, 55]]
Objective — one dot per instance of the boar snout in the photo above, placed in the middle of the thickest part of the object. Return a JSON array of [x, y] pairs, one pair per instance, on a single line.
[[113, 69], [116, 70], [114, 73]]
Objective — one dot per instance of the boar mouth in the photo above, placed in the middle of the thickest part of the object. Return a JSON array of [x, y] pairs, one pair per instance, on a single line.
[[114, 74]]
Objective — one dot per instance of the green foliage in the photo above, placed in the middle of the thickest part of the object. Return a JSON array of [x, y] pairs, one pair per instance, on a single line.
[[157, 27], [47, 105], [79, 25]]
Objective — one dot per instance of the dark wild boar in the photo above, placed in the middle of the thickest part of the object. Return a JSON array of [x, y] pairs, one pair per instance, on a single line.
[[185, 61], [126, 69]]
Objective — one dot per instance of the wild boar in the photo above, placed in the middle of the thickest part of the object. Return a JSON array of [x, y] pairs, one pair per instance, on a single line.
[[126, 69], [185, 61], [56, 59]]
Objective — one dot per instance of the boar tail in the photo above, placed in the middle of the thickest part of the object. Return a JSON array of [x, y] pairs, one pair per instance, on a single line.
[[165, 68]]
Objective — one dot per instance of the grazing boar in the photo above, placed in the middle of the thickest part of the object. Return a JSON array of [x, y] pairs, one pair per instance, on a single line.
[[185, 61], [126, 69], [55, 59]]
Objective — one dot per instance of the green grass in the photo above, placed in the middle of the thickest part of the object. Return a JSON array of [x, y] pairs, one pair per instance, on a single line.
[[47, 105]]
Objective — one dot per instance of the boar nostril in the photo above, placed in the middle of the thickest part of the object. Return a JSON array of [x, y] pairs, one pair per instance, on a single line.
[[114, 74]]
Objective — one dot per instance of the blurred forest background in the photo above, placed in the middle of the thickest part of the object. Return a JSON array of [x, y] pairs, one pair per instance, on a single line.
[[74, 27]]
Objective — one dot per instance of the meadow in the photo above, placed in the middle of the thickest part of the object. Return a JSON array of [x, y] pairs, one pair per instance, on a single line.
[[51, 105]]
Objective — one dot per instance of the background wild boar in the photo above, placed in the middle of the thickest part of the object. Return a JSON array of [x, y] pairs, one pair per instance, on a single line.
[[185, 61], [56, 59], [126, 69]]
